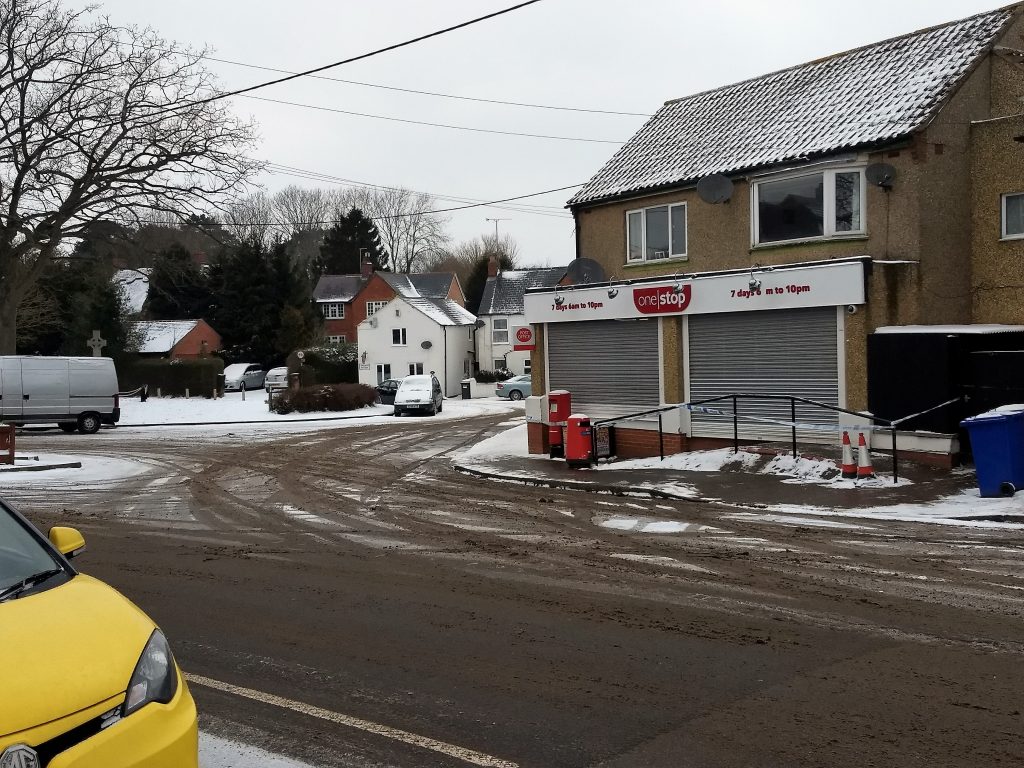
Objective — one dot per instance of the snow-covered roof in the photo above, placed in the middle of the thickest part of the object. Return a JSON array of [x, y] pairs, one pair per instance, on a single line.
[[134, 285], [442, 311], [951, 330], [503, 294], [162, 335], [341, 288], [869, 96], [431, 285]]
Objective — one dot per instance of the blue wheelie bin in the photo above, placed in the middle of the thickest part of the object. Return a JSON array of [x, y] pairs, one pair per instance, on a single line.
[[997, 440]]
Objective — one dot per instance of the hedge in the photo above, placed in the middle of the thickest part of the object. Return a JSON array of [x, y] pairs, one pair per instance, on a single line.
[[333, 364], [325, 397], [171, 377], [490, 377]]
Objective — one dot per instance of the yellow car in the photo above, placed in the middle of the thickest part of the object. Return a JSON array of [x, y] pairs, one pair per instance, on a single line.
[[86, 678]]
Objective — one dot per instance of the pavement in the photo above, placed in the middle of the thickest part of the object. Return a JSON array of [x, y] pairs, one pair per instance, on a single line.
[[35, 463]]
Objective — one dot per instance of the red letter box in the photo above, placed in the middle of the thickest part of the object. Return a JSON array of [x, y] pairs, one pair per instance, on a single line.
[[559, 406], [579, 448]]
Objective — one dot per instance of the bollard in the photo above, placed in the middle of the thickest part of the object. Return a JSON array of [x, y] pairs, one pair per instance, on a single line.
[[6, 443], [158, 392]]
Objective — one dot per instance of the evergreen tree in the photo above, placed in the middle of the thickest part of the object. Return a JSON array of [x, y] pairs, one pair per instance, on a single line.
[[179, 289], [478, 279], [345, 241]]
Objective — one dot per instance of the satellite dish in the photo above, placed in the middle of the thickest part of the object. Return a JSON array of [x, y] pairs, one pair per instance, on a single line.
[[479, 324], [584, 271], [715, 189], [426, 344], [881, 175]]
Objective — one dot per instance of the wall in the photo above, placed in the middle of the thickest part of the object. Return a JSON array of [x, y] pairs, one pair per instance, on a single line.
[[375, 289], [460, 358], [487, 351], [192, 343]]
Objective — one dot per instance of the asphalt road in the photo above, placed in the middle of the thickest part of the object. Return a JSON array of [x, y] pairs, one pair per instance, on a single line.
[[345, 598]]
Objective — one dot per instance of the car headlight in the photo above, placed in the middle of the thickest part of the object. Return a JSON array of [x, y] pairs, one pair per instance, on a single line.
[[155, 677]]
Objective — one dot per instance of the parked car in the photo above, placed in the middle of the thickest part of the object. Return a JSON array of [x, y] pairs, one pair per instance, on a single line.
[[277, 378], [239, 376], [515, 388], [419, 394], [72, 392], [88, 678], [387, 390]]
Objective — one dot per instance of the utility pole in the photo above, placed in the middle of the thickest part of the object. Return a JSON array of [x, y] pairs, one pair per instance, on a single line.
[[496, 229]]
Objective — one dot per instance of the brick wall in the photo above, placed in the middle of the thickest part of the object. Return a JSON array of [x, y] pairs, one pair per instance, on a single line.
[[192, 343], [375, 289]]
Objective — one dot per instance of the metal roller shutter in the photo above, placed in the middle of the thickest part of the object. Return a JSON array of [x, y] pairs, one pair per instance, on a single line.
[[609, 366], [778, 352]]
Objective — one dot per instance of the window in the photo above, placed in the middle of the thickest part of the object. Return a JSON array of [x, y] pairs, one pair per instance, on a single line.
[[499, 363], [334, 311], [373, 306], [383, 372], [527, 366], [813, 205], [656, 233], [335, 339], [499, 331], [398, 337], [1013, 215], [415, 369]]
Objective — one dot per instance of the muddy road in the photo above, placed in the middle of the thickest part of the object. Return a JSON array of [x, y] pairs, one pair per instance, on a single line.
[[345, 598]]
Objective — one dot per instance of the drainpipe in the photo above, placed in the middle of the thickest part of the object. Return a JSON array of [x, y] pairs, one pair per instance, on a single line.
[[444, 330]]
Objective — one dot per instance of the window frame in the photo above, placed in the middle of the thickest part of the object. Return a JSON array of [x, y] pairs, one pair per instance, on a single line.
[[1003, 234], [495, 330], [684, 256], [828, 211], [402, 334], [336, 339], [373, 307], [383, 372], [415, 369], [335, 307]]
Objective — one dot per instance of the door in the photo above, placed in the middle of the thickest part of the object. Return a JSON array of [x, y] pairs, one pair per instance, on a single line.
[[46, 388], [383, 372], [791, 352], [10, 387]]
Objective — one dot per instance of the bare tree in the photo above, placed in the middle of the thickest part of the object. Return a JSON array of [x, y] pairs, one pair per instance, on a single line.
[[252, 217], [409, 229], [464, 257], [301, 210], [100, 122]]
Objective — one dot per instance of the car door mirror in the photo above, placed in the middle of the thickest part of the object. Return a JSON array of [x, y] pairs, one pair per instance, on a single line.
[[68, 541]]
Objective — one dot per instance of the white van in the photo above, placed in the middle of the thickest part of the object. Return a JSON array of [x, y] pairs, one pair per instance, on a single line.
[[419, 393], [73, 392]]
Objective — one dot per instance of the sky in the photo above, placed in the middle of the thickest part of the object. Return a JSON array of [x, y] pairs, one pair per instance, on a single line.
[[585, 54]]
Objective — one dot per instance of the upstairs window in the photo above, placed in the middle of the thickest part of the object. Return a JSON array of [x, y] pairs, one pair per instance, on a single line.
[[656, 233], [499, 331], [334, 311], [373, 306], [398, 337], [1013, 216], [809, 206]]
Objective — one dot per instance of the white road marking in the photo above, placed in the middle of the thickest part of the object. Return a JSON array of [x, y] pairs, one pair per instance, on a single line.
[[451, 750]]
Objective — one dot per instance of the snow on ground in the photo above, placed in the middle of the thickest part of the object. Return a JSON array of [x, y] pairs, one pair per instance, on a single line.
[[94, 470], [508, 444], [215, 752]]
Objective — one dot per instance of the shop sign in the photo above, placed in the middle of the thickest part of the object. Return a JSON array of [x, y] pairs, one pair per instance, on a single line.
[[818, 285], [523, 340]]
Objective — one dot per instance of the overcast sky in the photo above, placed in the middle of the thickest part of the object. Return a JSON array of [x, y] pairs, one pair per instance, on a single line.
[[591, 54]]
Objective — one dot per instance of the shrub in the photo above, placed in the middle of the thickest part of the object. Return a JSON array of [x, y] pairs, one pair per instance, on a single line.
[[490, 377], [171, 377], [325, 397], [330, 364]]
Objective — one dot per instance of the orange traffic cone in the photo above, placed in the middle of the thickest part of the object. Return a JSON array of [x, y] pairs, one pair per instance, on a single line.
[[864, 468], [849, 468]]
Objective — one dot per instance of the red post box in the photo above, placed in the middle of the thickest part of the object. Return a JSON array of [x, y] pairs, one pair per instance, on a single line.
[[579, 446], [556, 442], [559, 406], [6, 443]]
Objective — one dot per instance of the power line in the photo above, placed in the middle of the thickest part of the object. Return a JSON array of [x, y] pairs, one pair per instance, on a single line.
[[351, 59], [435, 93], [434, 125]]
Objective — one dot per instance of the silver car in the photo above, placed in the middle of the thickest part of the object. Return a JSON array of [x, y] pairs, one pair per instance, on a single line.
[[239, 376], [277, 378], [515, 388]]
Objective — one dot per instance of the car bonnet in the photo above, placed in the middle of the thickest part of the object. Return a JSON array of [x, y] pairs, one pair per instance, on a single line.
[[65, 649]]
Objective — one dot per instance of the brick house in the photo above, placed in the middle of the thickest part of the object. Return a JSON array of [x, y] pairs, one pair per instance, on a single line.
[[346, 300], [176, 338], [757, 237]]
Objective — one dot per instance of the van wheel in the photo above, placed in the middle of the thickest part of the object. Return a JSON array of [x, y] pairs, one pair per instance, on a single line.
[[88, 423], [64, 427]]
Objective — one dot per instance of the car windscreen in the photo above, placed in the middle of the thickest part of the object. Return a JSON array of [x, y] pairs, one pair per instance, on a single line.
[[21, 553], [235, 369], [415, 384]]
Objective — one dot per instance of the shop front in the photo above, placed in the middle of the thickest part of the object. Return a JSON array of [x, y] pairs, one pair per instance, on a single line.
[[626, 347]]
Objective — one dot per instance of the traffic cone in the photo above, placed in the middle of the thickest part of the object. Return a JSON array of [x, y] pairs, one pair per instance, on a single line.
[[864, 468], [849, 468]]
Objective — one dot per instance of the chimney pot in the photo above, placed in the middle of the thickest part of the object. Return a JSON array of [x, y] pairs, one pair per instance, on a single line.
[[492, 267], [367, 267]]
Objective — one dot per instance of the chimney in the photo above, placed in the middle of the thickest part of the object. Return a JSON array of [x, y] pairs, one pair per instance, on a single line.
[[492, 267], [199, 258], [366, 268]]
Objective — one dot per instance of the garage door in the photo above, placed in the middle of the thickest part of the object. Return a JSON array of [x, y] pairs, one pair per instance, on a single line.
[[781, 352], [609, 366]]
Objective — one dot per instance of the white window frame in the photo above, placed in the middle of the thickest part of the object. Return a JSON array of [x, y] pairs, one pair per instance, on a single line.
[[495, 330], [499, 364], [828, 206], [1002, 227], [372, 307], [527, 366], [684, 256], [334, 310], [401, 335], [336, 339], [415, 369], [383, 372]]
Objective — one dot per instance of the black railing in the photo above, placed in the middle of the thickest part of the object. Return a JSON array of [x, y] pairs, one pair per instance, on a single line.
[[890, 424]]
